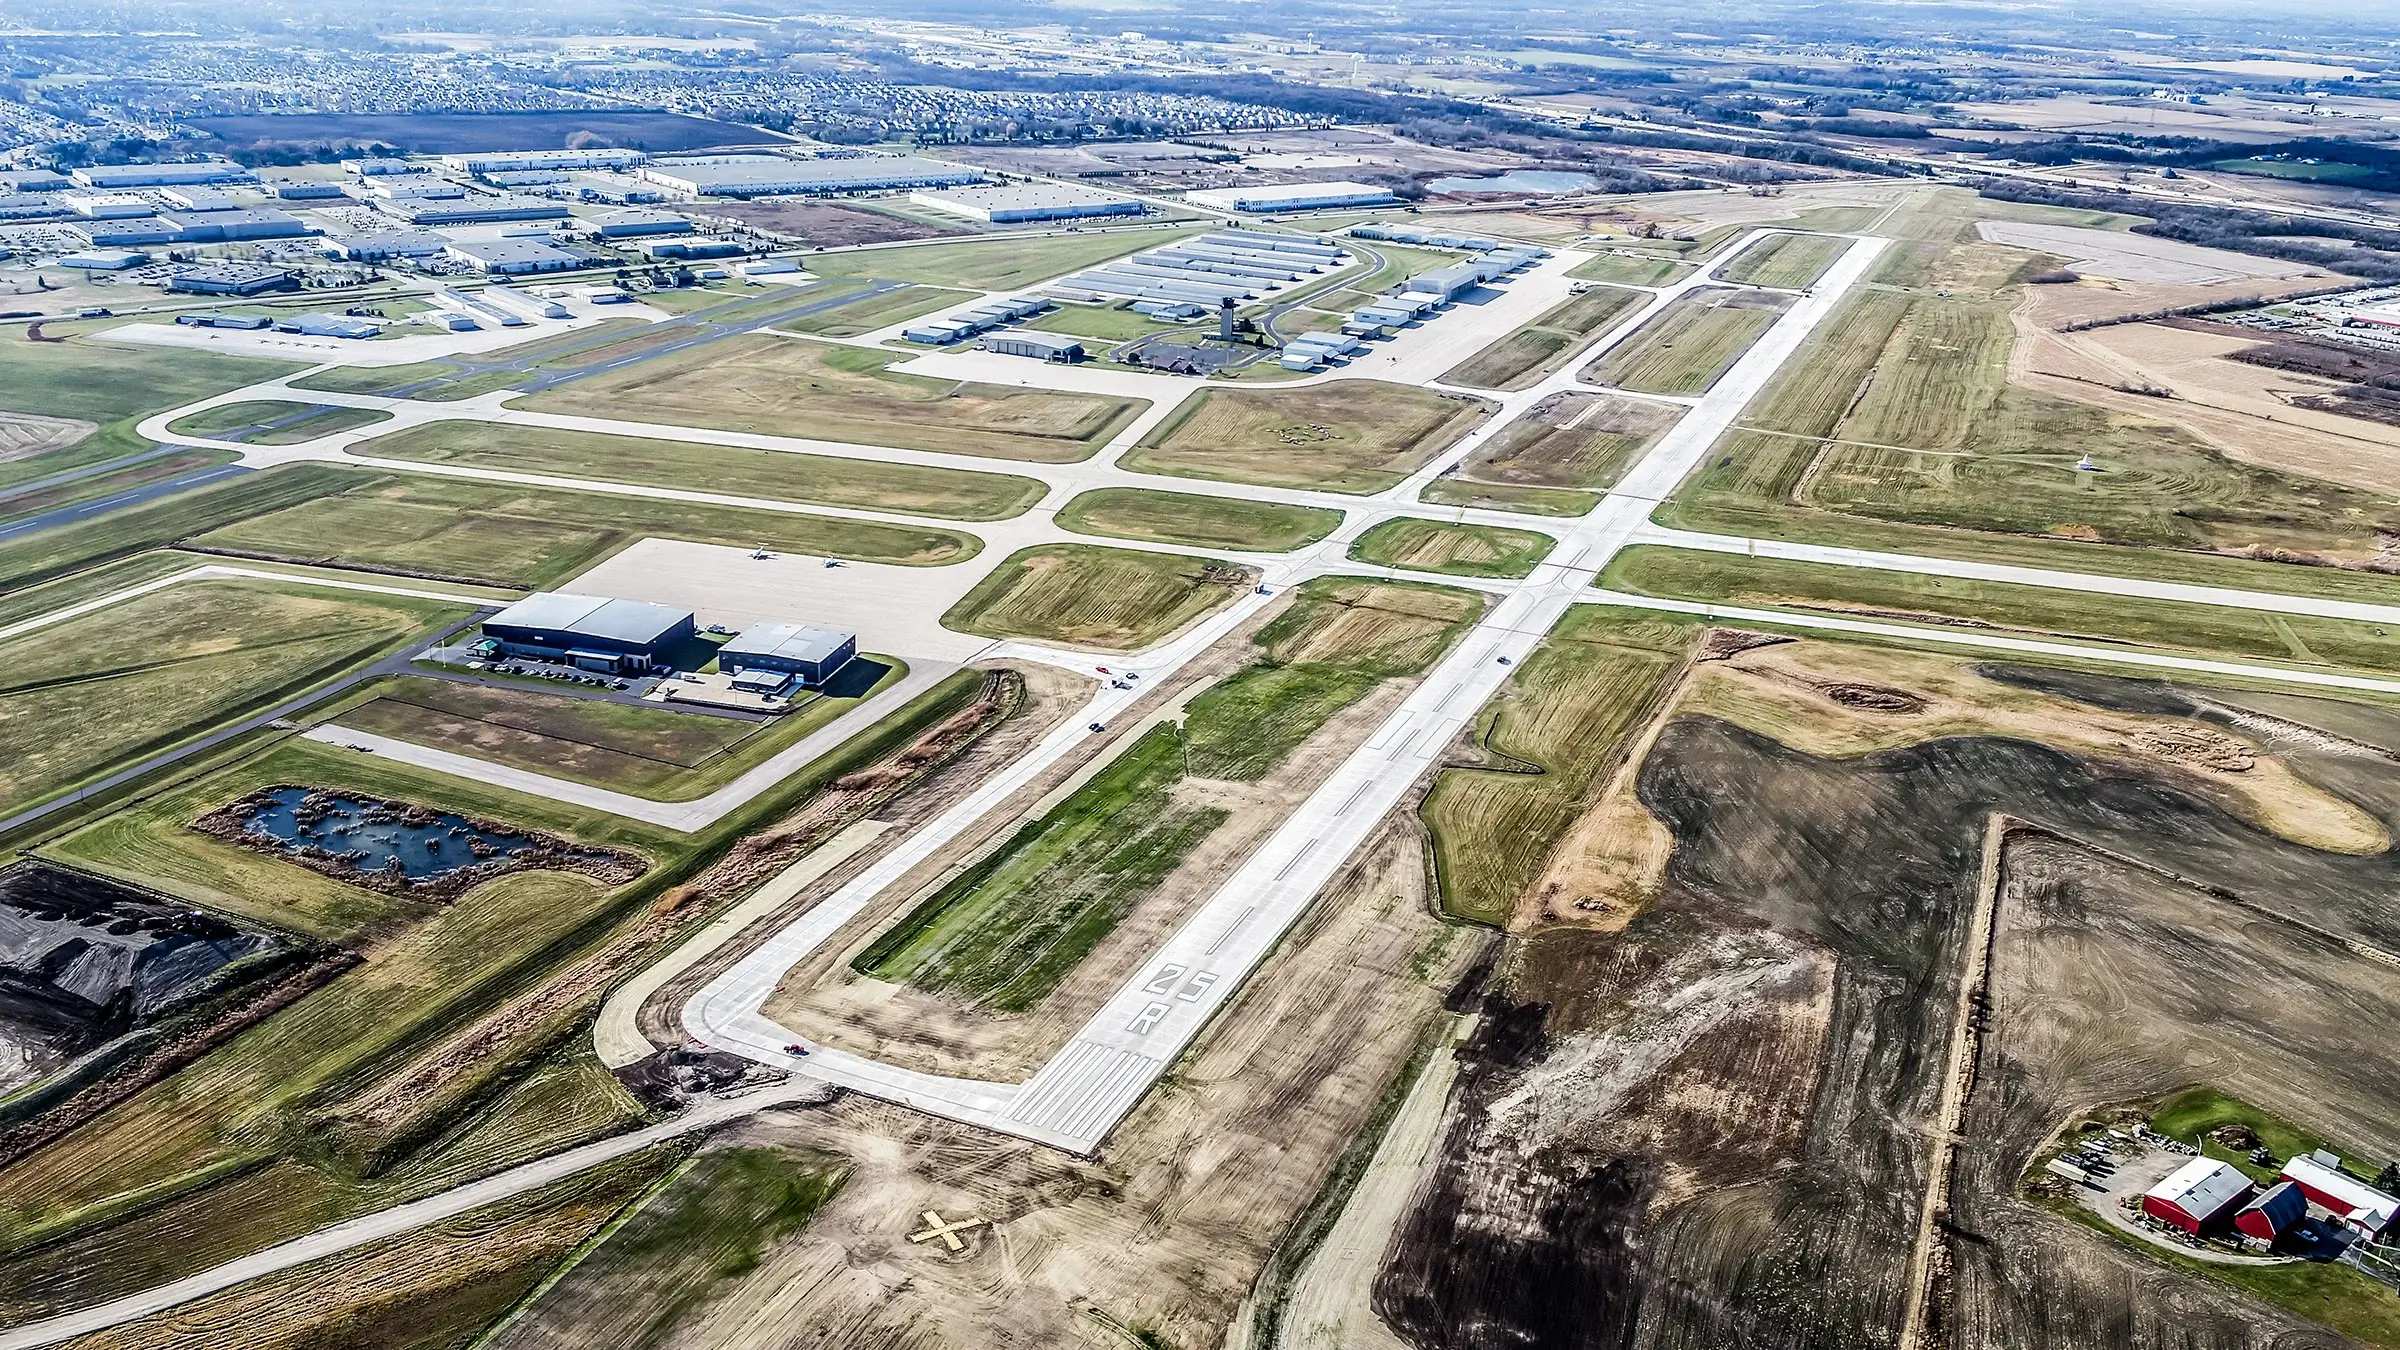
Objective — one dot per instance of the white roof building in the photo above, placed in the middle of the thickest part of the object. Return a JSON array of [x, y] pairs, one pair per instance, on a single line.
[[1011, 202], [1291, 197], [2200, 1187]]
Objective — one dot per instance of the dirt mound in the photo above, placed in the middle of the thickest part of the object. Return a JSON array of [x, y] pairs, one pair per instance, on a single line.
[[1723, 644], [1872, 697]]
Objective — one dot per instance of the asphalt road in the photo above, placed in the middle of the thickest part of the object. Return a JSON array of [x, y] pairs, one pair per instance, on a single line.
[[118, 501]]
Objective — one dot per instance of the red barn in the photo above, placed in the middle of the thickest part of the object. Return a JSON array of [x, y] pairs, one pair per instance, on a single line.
[[2366, 1210], [2273, 1213], [2199, 1195]]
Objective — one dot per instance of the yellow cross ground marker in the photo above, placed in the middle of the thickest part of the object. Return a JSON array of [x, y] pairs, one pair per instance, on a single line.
[[937, 1229]]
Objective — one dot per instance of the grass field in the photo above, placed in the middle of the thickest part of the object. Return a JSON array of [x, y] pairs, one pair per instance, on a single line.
[[503, 534], [2209, 630], [1898, 415], [1007, 931], [1552, 736], [390, 380], [1630, 270], [104, 689], [1785, 261], [1352, 288], [1452, 490], [1576, 441], [46, 555], [983, 264], [113, 385], [870, 312], [772, 475], [1202, 522], [709, 1223], [1102, 323], [309, 421], [33, 501], [1689, 345], [2194, 1113], [1523, 357], [1463, 550], [793, 387], [1092, 596], [1345, 436], [652, 752]]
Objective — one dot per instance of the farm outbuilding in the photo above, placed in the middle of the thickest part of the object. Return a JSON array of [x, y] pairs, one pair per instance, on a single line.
[[591, 631], [2273, 1213], [2361, 1207], [2198, 1196]]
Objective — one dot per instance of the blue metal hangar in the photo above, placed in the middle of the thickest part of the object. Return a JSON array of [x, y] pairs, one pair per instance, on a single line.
[[590, 631], [768, 656]]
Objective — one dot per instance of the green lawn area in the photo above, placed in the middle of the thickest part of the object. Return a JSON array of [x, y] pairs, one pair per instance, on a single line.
[[986, 264], [1523, 357], [1008, 930], [312, 421], [795, 387], [1627, 269], [2206, 630], [1452, 490], [1686, 347], [1094, 596], [1104, 323], [654, 752], [871, 312], [2192, 1114], [662, 1265], [1462, 550], [772, 475], [1555, 733], [1202, 522], [104, 689], [504, 534], [113, 385], [1355, 286], [1785, 261], [1343, 436]]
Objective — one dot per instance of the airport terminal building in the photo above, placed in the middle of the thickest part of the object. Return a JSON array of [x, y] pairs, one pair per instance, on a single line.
[[591, 631]]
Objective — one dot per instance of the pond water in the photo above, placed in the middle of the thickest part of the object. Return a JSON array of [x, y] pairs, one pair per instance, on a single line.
[[1518, 180], [373, 835]]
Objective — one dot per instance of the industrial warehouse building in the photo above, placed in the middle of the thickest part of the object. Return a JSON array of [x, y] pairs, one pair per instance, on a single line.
[[387, 244], [231, 278], [766, 657], [511, 257], [597, 158], [2199, 1196], [112, 176], [780, 176], [212, 227], [1016, 202], [637, 221], [1290, 197], [590, 631], [472, 211]]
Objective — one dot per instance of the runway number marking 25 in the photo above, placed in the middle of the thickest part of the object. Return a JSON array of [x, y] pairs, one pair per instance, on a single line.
[[1170, 981]]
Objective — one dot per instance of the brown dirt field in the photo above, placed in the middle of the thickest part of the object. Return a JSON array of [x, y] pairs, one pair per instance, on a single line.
[[827, 225], [2105, 298], [1571, 440], [24, 435], [1166, 1231], [2242, 410], [827, 1000]]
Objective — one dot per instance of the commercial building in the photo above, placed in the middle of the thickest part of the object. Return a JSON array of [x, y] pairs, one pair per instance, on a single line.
[[105, 259], [2199, 1196], [308, 191], [125, 233], [229, 279], [633, 223], [1445, 284], [590, 631], [472, 211], [328, 325], [380, 166], [1040, 346], [693, 248], [769, 267], [766, 657], [242, 322], [780, 176], [597, 158], [2357, 1205], [112, 176], [199, 198], [1014, 202], [517, 178], [1290, 197], [511, 257], [417, 190], [2272, 1214]]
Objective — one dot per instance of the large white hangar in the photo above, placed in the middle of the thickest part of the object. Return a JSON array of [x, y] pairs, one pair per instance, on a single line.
[[782, 176], [1012, 203]]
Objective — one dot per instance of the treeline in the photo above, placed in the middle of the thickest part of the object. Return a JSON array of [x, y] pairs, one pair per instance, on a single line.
[[1784, 152], [2374, 252], [2380, 160]]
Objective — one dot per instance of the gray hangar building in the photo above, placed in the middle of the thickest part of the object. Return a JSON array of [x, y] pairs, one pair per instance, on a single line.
[[591, 631], [767, 656]]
